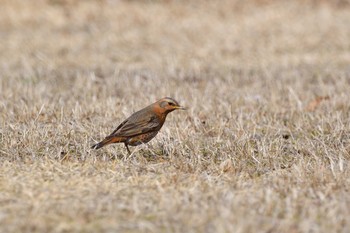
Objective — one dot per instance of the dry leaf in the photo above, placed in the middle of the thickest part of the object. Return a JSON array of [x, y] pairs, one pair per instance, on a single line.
[[313, 105]]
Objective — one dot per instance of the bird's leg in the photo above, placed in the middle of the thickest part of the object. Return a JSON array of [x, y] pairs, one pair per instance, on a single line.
[[126, 145]]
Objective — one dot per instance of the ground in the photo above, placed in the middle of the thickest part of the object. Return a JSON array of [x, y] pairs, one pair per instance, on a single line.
[[263, 147]]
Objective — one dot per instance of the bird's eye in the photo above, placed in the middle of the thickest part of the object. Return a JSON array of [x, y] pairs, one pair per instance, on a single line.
[[171, 104]]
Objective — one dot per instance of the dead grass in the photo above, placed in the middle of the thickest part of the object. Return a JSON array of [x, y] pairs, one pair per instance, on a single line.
[[249, 155]]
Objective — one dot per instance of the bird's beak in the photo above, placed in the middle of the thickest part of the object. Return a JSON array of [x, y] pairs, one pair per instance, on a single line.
[[180, 107]]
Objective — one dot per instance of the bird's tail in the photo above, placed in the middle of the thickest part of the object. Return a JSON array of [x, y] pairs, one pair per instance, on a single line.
[[106, 141]]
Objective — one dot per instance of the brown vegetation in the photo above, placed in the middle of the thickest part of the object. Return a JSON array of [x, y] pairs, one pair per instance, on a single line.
[[247, 156]]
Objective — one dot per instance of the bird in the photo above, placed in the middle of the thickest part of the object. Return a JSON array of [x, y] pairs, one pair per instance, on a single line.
[[142, 125]]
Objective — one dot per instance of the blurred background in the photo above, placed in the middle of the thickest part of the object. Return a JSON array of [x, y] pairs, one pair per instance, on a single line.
[[107, 36]]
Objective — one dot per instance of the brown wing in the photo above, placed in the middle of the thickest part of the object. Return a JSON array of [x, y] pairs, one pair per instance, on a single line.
[[138, 123]]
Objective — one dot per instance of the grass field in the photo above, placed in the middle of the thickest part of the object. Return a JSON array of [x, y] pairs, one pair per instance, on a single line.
[[263, 147]]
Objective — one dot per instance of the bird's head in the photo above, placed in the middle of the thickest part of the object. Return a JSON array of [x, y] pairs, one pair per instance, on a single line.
[[168, 104]]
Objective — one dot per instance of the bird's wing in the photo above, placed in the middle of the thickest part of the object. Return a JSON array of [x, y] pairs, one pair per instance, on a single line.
[[137, 124]]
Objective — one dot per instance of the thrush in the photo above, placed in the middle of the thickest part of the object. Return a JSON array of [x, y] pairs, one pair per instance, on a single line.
[[141, 126]]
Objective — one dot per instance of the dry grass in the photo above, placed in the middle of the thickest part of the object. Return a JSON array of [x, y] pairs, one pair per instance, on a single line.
[[250, 154]]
